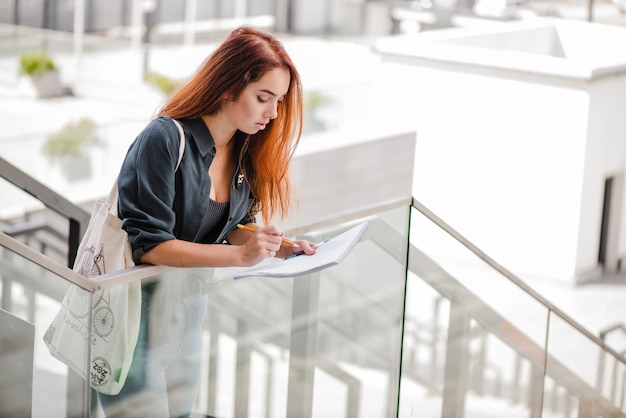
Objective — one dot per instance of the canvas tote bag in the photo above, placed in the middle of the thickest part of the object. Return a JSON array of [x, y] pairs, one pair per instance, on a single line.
[[112, 315]]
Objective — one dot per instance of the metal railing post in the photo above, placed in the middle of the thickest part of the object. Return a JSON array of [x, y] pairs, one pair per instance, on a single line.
[[456, 374], [303, 346]]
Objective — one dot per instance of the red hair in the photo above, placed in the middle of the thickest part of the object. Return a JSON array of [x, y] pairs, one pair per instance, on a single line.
[[243, 58]]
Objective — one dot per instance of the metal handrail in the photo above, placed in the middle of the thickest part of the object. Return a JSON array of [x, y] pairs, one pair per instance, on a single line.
[[91, 285], [45, 262]]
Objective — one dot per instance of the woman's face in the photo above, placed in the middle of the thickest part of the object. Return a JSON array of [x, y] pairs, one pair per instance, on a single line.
[[257, 104]]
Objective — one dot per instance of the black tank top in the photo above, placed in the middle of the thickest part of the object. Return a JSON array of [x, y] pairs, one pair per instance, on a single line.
[[213, 222]]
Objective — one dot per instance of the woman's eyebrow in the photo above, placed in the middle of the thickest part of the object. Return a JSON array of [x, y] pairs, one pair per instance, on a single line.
[[271, 93]]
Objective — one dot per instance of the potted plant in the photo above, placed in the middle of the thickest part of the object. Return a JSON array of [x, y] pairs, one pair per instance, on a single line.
[[69, 147], [41, 69]]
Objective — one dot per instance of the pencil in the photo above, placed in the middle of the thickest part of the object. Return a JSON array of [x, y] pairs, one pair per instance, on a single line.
[[247, 228]]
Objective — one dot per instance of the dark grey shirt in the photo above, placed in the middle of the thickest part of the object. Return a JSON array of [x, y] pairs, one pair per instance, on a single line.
[[157, 203]]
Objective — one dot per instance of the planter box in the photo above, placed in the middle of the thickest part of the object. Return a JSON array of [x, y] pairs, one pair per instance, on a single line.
[[46, 85]]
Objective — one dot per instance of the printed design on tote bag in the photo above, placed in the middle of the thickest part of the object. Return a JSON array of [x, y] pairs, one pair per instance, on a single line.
[[102, 318], [81, 303], [103, 321], [91, 264], [100, 372], [49, 335]]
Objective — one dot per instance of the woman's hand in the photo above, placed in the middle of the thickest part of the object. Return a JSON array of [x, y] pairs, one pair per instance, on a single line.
[[265, 242], [302, 247]]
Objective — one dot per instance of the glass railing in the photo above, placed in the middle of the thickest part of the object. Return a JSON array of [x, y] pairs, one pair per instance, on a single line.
[[32, 382], [478, 342], [415, 322], [325, 344]]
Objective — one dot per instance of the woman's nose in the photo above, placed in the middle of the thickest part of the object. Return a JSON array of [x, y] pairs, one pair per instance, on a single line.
[[272, 112]]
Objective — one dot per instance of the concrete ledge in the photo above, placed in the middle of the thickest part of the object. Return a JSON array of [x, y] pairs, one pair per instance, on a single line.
[[552, 47]]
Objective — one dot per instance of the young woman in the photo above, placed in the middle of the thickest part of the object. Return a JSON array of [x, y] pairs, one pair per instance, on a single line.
[[241, 114]]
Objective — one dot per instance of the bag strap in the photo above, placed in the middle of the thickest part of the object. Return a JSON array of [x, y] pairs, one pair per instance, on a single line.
[[111, 200], [181, 147]]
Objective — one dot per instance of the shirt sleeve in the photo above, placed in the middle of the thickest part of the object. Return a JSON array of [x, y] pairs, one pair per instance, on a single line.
[[146, 186]]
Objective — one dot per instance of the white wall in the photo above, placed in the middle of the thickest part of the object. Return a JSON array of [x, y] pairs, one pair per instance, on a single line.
[[340, 171], [496, 160], [605, 157]]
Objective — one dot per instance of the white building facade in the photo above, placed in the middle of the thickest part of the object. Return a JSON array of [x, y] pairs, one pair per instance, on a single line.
[[521, 140]]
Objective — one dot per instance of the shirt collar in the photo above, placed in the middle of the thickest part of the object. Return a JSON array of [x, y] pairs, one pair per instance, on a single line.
[[198, 130], [201, 135]]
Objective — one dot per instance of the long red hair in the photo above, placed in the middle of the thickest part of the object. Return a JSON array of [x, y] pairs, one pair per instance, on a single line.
[[244, 57]]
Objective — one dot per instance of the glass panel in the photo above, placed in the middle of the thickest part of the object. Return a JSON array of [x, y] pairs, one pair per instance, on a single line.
[[423, 350], [326, 344], [359, 320], [473, 339], [168, 359], [558, 401], [31, 298], [587, 372]]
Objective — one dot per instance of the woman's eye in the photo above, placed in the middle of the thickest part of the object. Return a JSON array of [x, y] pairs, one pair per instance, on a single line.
[[262, 100]]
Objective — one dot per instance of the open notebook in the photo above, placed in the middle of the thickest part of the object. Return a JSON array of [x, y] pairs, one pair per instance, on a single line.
[[330, 253]]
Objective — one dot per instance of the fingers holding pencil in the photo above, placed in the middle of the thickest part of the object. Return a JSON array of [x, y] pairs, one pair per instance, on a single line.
[[288, 248], [279, 233], [256, 246]]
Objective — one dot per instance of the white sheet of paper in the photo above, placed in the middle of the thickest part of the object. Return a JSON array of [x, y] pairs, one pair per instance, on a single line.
[[327, 254]]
